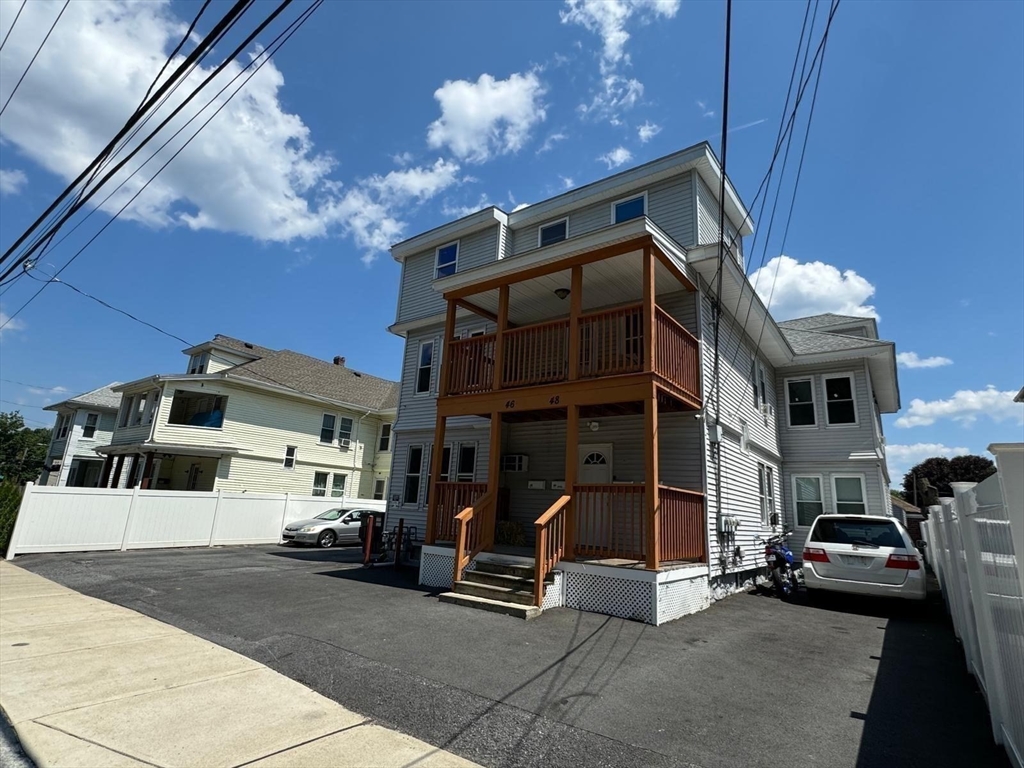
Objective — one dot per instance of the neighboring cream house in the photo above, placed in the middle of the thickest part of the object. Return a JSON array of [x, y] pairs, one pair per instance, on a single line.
[[83, 422], [248, 418], [559, 379]]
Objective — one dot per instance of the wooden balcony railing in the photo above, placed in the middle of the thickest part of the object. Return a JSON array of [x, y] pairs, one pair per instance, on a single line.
[[610, 521], [536, 354], [474, 532], [452, 498], [612, 341], [550, 544], [682, 529], [676, 354], [471, 365]]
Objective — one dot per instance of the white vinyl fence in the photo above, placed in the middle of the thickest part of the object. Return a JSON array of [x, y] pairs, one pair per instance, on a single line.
[[61, 519], [975, 548]]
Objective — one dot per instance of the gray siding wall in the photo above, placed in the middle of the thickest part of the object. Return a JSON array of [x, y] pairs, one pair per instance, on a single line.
[[876, 494], [707, 217], [822, 442], [738, 468], [670, 205], [416, 297]]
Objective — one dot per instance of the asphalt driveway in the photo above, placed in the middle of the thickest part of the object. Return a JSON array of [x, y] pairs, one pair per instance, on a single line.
[[750, 682]]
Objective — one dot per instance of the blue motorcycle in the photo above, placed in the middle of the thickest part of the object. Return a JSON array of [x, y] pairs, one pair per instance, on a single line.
[[779, 558]]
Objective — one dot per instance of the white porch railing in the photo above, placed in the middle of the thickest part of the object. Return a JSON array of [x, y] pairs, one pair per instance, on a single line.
[[60, 519], [975, 548]]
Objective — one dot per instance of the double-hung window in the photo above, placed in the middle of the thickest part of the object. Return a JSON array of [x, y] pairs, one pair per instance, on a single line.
[[327, 428], [413, 468], [152, 403], [63, 425], [766, 492], [552, 233], [89, 430], [379, 486], [466, 469], [809, 501], [384, 444], [289, 456], [630, 208], [759, 383], [127, 404], [446, 464], [344, 431], [197, 363], [320, 483], [848, 493], [839, 404], [338, 484], [446, 260], [800, 402], [424, 368]]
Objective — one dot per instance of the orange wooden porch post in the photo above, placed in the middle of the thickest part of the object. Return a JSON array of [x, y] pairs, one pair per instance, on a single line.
[[649, 305], [493, 476], [499, 338], [438, 450], [572, 441], [575, 309], [651, 464]]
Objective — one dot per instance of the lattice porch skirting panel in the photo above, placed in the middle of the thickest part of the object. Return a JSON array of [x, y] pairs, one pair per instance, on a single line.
[[682, 597], [554, 594], [437, 565], [626, 598]]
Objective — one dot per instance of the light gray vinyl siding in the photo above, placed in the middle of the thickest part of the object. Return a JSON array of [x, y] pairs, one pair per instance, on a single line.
[[707, 217], [821, 442], [670, 205], [683, 307], [876, 495], [417, 298], [416, 514], [738, 469]]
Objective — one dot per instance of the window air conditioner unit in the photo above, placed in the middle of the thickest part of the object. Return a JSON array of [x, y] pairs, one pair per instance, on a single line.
[[344, 443], [515, 462]]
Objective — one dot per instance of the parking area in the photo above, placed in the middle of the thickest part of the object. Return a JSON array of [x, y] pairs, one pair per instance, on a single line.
[[750, 682]]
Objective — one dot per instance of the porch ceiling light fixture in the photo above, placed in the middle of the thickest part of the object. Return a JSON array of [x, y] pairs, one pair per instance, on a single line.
[[594, 426], [562, 293]]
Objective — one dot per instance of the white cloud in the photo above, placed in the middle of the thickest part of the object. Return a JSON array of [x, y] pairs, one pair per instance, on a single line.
[[520, 207], [567, 182], [11, 181], [458, 211], [704, 111], [487, 118], [550, 141], [911, 360], [8, 325], [608, 19], [965, 406], [253, 170], [402, 158], [812, 288], [900, 458], [648, 131], [40, 391], [616, 157]]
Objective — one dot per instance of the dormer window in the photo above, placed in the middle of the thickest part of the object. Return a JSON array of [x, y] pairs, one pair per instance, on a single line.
[[630, 208], [552, 233], [197, 363], [446, 260]]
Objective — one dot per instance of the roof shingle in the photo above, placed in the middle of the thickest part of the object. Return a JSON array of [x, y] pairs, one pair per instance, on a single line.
[[101, 397]]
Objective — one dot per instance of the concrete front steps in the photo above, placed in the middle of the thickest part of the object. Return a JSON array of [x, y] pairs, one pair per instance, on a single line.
[[497, 587]]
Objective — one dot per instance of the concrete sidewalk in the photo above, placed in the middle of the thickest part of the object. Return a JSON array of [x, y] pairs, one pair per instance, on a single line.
[[88, 683]]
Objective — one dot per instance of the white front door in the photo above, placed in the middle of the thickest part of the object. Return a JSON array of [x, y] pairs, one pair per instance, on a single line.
[[595, 464]]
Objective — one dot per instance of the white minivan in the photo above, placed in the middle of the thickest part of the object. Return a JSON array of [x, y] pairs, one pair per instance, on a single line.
[[863, 554]]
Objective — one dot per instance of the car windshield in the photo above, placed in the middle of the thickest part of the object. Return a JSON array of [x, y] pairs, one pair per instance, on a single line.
[[331, 514], [870, 533]]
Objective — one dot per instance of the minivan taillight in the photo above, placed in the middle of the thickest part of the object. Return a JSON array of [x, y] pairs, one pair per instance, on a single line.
[[815, 555], [905, 562]]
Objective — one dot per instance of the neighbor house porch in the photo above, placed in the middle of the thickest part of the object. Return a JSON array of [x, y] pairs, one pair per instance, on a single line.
[[605, 336], [162, 466]]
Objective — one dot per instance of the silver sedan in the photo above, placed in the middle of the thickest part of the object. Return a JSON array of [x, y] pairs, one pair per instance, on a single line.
[[328, 528]]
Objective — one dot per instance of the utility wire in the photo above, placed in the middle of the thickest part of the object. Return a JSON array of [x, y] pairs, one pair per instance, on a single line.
[[31, 386], [262, 59], [34, 56], [16, 17], [236, 10]]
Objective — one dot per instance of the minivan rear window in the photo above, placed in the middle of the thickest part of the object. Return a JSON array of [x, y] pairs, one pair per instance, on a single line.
[[879, 533]]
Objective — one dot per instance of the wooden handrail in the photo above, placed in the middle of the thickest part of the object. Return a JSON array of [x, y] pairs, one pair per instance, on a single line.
[[610, 520], [682, 526], [550, 544], [675, 322], [519, 329], [611, 310], [472, 532], [680, 490], [452, 497]]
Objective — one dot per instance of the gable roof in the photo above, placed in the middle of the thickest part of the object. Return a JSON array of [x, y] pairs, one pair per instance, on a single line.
[[906, 506], [808, 342], [101, 397], [237, 345], [319, 378], [828, 320]]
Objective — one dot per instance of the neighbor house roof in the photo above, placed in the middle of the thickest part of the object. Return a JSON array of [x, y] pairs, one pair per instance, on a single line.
[[320, 378], [906, 506], [102, 397], [825, 320], [807, 342], [229, 342]]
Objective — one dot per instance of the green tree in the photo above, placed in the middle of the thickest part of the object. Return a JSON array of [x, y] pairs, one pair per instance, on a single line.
[[22, 450], [933, 477]]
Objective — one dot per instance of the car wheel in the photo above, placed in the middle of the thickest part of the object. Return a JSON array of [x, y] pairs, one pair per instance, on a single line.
[[326, 540]]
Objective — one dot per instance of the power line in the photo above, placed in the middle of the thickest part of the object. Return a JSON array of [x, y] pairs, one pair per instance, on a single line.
[[32, 386], [33, 60], [16, 17], [22, 405], [236, 10]]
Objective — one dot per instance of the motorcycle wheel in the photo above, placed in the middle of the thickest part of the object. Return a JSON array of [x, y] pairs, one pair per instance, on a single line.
[[780, 584]]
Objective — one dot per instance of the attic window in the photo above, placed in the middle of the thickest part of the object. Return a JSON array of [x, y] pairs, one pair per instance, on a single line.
[[630, 208], [553, 233], [197, 363], [446, 260]]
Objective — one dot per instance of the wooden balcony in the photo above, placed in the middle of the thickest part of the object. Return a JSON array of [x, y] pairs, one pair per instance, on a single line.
[[610, 342]]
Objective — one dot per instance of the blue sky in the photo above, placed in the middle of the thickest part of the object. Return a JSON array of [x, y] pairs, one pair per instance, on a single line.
[[380, 120]]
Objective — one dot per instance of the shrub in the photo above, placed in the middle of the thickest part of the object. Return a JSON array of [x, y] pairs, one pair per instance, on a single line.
[[10, 500], [510, 534]]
